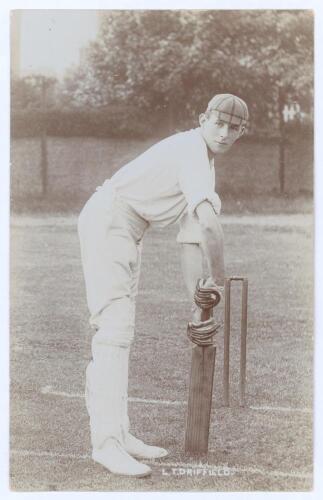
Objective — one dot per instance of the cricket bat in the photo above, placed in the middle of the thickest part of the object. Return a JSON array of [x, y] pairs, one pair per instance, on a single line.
[[200, 396]]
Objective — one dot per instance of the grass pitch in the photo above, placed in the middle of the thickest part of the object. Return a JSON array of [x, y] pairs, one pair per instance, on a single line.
[[266, 446]]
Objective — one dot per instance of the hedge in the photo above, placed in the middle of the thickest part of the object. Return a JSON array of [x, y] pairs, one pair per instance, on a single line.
[[114, 122], [79, 122]]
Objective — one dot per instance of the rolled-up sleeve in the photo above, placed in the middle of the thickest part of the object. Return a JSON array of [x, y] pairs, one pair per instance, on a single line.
[[196, 180]]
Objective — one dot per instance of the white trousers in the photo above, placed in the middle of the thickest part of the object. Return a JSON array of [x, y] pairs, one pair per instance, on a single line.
[[110, 237]]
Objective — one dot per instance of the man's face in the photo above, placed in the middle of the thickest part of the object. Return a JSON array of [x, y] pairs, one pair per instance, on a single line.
[[219, 134]]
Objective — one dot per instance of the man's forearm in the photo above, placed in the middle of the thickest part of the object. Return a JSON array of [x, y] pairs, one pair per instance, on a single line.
[[212, 245], [192, 266]]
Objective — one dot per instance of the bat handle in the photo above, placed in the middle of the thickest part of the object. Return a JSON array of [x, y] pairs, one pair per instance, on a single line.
[[206, 314]]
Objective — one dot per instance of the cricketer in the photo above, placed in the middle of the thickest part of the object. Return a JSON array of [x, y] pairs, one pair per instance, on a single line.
[[172, 182]]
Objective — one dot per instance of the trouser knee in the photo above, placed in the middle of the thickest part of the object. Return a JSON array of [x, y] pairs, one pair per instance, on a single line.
[[115, 324]]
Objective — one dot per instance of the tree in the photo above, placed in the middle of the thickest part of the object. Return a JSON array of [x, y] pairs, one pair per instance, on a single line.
[[130, 60], [176, 60], [27, 92]]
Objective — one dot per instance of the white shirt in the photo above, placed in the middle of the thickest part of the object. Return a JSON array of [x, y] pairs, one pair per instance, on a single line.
[[169, 180]]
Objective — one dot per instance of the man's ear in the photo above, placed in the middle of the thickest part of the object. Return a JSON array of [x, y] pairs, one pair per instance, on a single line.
[[242, 130], [202, 118]]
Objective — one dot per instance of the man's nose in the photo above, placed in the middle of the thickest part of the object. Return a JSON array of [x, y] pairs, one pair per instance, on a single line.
[[225, 130]]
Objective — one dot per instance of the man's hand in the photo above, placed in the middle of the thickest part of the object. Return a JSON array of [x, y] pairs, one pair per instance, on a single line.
[[207, 296], [202, 332], [211, 294], [209, 283]]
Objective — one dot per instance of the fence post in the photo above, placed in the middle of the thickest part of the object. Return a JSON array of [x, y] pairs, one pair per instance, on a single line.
[[43, 139], [282, 140]]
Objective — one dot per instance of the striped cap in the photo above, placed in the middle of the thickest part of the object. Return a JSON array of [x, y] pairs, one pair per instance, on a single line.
[[231, 108]]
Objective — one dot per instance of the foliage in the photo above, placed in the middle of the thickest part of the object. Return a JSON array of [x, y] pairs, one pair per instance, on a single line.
[[164, 66], [173, 61], [32, 91]]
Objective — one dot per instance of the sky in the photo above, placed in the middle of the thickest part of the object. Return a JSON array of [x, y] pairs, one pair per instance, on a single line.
[[50, 40]]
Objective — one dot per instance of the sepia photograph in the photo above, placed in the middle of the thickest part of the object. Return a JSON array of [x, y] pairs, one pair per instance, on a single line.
[[161, 250]]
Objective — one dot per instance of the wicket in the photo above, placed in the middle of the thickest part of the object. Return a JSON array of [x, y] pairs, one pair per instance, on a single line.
[[202, 372], [243, 339]]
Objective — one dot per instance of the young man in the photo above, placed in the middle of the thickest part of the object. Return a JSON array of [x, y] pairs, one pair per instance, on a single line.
[[173, 181]]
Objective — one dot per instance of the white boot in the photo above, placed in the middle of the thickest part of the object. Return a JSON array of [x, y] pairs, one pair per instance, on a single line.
[[114, 458], [106, 387], [139, 449], [135, 446]]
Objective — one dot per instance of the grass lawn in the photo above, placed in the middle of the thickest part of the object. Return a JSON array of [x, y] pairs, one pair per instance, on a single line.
[[266, 446]]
